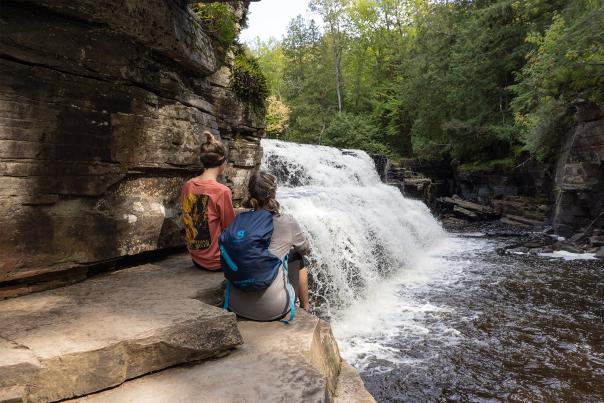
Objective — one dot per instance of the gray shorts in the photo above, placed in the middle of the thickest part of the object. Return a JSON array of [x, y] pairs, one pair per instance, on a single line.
[[273, 302]]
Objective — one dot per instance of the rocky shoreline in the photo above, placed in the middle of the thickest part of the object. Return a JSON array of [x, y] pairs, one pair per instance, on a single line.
[[530, 240], [564, 199], [518, 215]]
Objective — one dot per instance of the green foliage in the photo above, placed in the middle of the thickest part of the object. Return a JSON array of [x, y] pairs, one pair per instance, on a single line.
[[456, 92], [277, 117], [565, 65], [249, 82], [349, 130], [218, 21], [544, 128], [471, 80], [272, 62], [306, 74]]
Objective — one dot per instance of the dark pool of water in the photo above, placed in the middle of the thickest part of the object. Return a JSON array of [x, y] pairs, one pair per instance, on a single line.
[[530, 329]]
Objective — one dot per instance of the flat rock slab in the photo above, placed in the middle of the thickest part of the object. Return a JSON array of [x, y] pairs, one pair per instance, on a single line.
[[298, 362], [94, 335]]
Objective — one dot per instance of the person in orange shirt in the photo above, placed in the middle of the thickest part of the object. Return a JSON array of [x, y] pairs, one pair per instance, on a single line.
[[207, 208]]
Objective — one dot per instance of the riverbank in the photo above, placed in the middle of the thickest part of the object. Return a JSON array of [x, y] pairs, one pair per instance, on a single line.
[[520, 199], [564, 192]]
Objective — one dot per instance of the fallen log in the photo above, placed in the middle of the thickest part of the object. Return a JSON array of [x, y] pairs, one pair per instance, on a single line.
[[479, 209], [509, 221], [524, 220], [464, 212]]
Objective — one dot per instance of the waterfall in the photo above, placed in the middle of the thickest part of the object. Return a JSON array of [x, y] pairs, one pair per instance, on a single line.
[[362, 232]]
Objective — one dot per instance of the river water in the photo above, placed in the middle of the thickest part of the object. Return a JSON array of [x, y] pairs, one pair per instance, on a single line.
[[426, 314]]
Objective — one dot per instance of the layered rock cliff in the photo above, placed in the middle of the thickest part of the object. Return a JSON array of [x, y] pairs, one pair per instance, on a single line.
[[580, 174], [102, 106]]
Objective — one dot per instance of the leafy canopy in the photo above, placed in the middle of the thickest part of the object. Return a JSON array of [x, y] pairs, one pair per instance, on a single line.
[[477, 80]]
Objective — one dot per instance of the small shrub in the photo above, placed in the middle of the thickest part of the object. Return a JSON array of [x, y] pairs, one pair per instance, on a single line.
[[218, 21]]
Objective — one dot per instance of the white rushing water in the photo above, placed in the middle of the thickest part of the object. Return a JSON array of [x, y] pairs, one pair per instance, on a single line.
[[366, 238]]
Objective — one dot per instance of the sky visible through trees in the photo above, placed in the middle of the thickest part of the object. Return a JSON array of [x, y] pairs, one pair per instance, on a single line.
[[475, 80]]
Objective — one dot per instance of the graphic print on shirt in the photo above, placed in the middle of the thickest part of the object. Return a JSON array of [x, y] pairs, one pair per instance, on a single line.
[[195, 218]]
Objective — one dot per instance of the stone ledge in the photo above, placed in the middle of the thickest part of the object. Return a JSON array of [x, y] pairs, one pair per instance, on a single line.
[[94, 335], [298, 362], [351, 388]]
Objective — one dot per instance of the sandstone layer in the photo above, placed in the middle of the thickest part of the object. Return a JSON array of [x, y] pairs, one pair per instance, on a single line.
[[351, 388], [101, 333], [102, 107], [94, 335]]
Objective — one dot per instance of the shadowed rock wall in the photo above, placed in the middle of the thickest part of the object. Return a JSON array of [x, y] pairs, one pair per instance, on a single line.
[[102, 106], [580, 174]]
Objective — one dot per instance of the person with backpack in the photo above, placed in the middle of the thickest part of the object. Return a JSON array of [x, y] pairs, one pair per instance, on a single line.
[[207, 208], [262, 257]]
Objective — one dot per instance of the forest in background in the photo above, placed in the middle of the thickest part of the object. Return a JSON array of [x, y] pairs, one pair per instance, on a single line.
[[477, 81]]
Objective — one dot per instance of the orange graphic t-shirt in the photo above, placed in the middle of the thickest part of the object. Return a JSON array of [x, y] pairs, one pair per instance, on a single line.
[[207, 209]]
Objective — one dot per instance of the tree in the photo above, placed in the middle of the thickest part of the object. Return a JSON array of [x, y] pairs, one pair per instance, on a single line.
[[332, 13], [277, 117], [566, 65], [306, 74], [272, 62]]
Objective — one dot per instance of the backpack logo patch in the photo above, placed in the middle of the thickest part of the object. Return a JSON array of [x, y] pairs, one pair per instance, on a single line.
[[240, 234]]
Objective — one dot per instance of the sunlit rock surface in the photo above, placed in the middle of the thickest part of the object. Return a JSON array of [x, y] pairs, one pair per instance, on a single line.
[[298, 362], [87, 337]]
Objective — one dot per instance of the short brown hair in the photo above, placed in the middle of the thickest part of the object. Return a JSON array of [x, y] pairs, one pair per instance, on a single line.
[[213, 152], [262, 189]]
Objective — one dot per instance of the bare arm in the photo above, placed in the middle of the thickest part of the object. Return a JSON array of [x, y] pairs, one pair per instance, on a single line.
[[300, 242]]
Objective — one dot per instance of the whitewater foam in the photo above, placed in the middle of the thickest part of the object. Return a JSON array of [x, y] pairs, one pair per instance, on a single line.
[[362, 232], [366, 329]]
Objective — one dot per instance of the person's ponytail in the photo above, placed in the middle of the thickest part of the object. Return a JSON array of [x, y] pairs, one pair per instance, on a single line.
[[209, 137], [213, 152]]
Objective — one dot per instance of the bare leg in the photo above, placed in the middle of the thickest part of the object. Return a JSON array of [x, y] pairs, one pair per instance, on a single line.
[[303, 296]]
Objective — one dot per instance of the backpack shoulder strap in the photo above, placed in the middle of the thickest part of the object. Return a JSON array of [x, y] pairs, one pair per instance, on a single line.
[[227, 258], [227, 295], [290, 291]]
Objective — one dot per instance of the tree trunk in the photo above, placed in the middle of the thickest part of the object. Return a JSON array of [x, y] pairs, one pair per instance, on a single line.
[[338, 56]]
